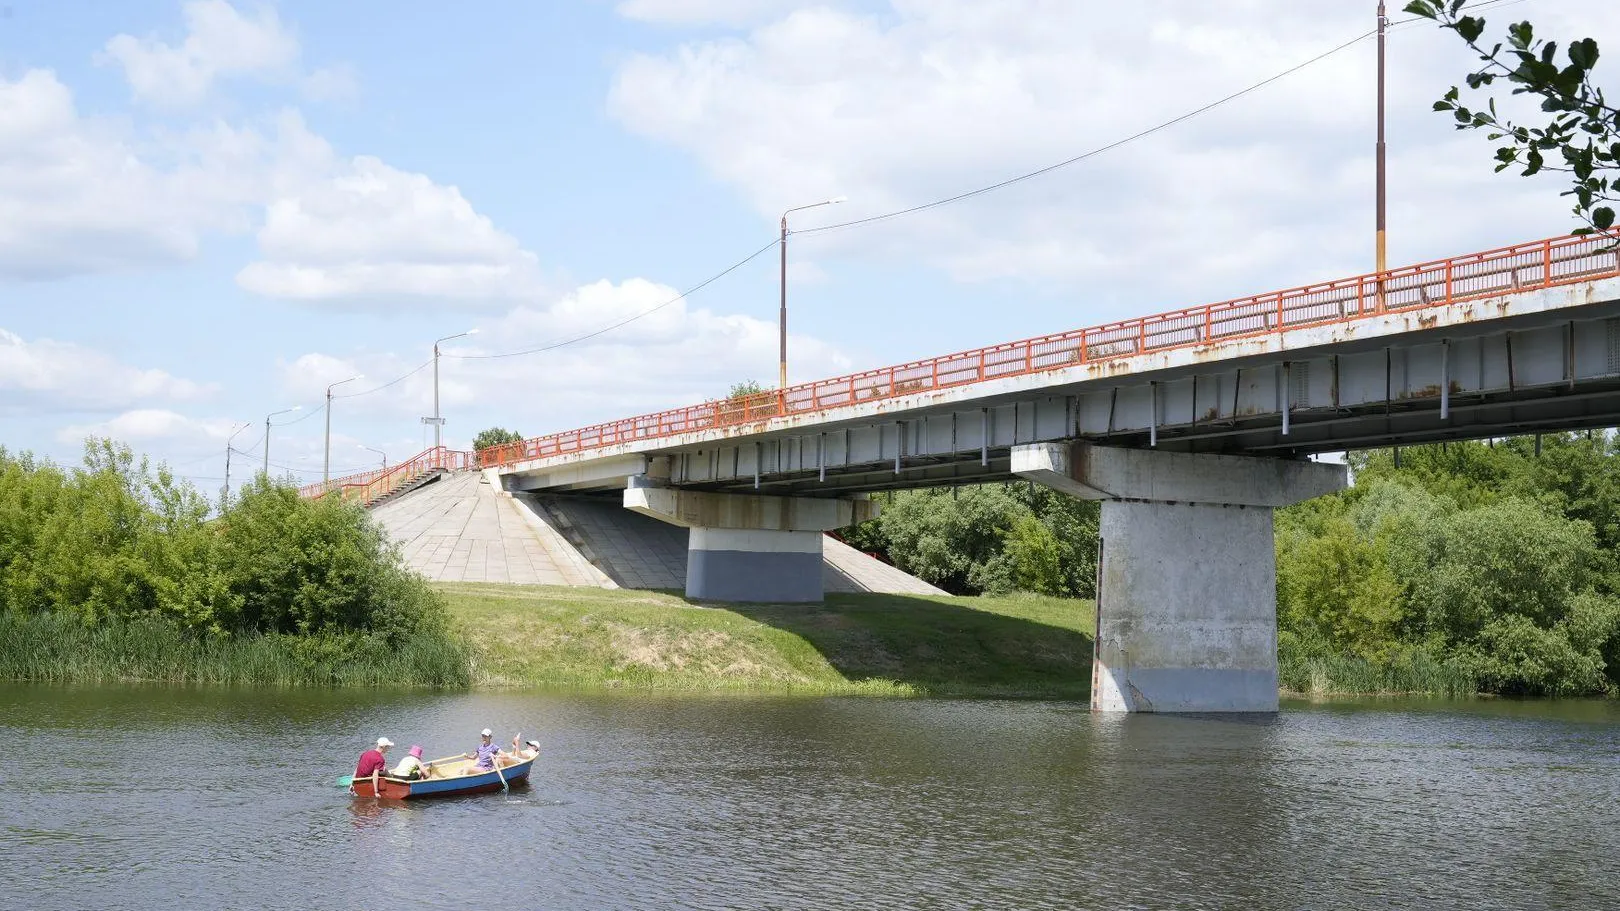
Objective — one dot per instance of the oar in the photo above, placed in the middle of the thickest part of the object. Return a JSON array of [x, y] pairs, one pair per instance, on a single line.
[[345, 780], [499, 774]]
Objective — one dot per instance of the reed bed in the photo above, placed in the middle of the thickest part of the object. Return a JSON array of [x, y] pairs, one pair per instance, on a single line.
[[55, 648], [1412, 674]]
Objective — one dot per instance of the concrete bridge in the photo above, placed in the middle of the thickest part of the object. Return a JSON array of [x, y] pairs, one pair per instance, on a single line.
[[1190, 426]]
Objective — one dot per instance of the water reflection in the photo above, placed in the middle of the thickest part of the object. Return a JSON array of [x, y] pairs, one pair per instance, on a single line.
[[170, 797]]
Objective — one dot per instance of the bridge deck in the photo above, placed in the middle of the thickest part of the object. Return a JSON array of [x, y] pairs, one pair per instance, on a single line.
[[1212, 333]]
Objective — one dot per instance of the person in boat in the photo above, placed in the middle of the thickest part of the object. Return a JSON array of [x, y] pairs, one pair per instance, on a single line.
[[524, 753], [411, 767], [373, 763], [483, 755]]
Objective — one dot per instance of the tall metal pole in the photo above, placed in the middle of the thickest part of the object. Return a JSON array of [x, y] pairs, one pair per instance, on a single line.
[[781, 320], [228, 441], [781, 324], [1381, 262], [326, 467], [267, 435], [438, 422]]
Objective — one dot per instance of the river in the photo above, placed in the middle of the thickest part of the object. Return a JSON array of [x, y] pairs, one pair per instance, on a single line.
[[153, 797]]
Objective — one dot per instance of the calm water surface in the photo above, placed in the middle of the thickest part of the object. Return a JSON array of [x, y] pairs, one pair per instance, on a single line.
[[118, 798]]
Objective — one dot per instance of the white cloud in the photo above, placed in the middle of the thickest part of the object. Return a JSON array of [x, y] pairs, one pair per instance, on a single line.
[[84, 195], [374, 230], [145, 426], [928, 99], [702, 12], [220, 43], [676, 356], [338, 83], [45, 375], [74, 195], [80, 195]]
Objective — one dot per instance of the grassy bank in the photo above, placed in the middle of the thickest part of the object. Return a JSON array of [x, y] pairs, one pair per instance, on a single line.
[[1024, 646], [53, 647], [516, 636]]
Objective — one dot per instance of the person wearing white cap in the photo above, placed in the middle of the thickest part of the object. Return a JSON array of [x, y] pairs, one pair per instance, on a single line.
[[373, 763], [528, 750], [484, 754]]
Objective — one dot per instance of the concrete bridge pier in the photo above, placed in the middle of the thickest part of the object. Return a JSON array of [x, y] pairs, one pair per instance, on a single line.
[[1187, 576], [742, 547]]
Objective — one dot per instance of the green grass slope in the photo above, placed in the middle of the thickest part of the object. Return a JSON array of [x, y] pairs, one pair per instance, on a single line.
[[897, 645]]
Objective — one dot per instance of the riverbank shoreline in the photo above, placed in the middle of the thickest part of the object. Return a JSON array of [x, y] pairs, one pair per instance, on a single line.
[[1019, 646], [507, 636]]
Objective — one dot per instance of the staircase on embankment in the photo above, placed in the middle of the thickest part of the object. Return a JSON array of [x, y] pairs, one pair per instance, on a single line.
[[456, 528]]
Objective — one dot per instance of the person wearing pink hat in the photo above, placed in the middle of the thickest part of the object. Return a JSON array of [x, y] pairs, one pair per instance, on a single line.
[[411, 767]]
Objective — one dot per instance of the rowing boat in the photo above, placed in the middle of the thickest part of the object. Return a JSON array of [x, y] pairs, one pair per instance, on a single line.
[[457, 776]]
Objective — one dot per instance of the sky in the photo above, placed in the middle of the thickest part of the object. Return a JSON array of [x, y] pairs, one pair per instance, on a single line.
[[211, 210]]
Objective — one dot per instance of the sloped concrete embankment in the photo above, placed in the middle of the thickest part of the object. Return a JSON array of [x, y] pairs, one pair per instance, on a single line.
[[637, 551], [460, 529]]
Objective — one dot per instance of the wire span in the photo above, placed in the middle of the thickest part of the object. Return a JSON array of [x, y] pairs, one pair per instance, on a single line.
[[551, 346]]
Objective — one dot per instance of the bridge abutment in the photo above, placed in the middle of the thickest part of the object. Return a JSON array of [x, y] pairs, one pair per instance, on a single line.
[[743, 547], [1187, 577]]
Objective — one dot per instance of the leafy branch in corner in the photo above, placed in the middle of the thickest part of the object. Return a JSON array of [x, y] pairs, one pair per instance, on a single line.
[[1581, 137]]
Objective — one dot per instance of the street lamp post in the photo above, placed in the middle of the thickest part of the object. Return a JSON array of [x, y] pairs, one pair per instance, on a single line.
[[379, 452], [1379, 178], [267, 435], [228, 441], [781, 379], [438, 422], [326, 467]]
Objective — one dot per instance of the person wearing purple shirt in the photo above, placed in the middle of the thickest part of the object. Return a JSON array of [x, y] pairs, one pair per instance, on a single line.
[[484, 754]]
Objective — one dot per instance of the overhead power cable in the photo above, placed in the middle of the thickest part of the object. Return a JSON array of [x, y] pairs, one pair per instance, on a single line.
[[304, 417], [870, 219], [397, 380], [1089, 154], [1128, 139], [550, 346]]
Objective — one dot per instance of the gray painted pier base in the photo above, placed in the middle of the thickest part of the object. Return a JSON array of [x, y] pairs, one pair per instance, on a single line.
[[1187, 577], [750, 548]]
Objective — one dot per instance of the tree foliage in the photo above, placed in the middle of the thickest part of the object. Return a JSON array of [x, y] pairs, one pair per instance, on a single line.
[[1494, 564], [989, 538], [496, 436], [1581, 134], [116, 539], [1496, 561]]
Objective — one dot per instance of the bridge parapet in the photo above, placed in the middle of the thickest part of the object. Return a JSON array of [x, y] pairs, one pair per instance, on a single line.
[[367, 487], [1523, 267]]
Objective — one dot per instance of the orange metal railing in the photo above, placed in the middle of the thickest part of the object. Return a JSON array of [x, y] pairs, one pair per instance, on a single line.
[[1523, 267], [367, 487]]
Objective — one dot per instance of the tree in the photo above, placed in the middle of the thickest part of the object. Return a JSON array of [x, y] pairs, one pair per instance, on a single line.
[[496, 436], [745, 389], [1581, 137], [989, 538], [116, 540]]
